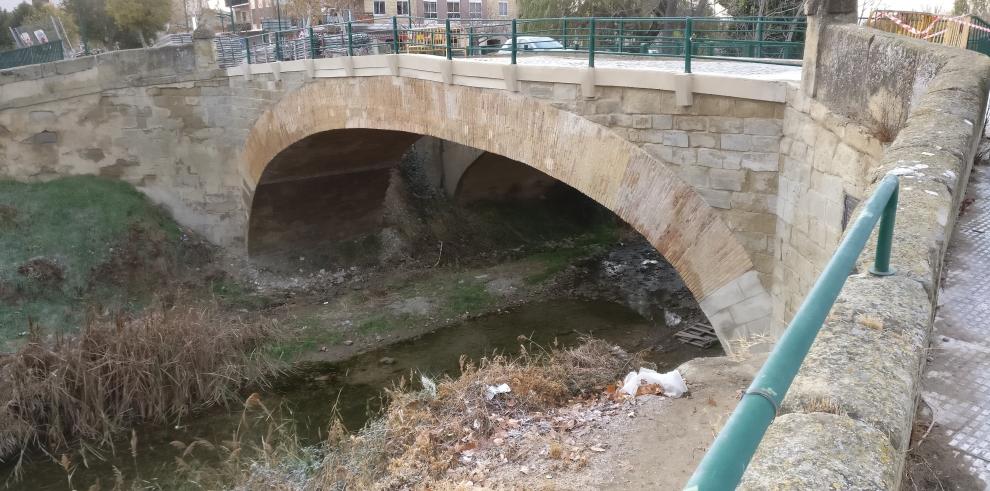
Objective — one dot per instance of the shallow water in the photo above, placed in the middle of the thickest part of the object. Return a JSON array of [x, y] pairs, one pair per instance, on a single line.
[[355, 385]]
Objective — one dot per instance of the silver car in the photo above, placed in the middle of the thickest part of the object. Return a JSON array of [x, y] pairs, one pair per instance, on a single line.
[[532, 43]]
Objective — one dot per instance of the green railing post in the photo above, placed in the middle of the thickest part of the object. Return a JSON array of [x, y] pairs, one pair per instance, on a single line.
[[621, 32], [759, 37], [591, 43], [885, 238], [312, 43], [470, 46], [247, 49], [563, 31], [515, 45], [395, 35], [278, 45], [726, 460], [446, 35], [687, 44], [350, 39]]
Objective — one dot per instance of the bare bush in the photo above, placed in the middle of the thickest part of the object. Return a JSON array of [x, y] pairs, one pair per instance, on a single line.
[[157, 367]]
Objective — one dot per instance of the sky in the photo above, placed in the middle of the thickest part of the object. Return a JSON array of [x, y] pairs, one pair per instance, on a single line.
[[945, 5]]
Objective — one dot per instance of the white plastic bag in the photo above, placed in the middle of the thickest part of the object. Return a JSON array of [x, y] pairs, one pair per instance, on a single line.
[[672, 383], [491, 391]]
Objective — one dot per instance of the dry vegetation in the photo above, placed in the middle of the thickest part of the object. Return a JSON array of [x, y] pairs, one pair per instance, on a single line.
[[157, 367], [423, 433]]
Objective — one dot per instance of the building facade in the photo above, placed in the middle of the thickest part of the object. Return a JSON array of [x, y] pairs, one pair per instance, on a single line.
[[443, 9]]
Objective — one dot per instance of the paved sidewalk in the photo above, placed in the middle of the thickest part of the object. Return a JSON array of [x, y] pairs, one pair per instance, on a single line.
[[957, 380]]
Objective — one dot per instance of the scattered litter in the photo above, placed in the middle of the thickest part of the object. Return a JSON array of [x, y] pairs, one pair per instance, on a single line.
[[671, 382], [671, 318], [492, 390], [933, 193], [387, 361], [647, 262], [428, 385], [698, 334], [348, 342]]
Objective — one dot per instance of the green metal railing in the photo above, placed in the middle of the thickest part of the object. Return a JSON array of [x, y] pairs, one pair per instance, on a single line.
[[41, 53], [723, 466], [750, 39]]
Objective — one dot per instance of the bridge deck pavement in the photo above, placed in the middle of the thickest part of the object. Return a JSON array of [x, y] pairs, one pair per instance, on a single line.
[[957, 380], [761, 71]]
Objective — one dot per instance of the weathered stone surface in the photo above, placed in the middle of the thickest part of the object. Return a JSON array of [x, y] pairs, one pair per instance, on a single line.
[[822, 451], [880, 326]]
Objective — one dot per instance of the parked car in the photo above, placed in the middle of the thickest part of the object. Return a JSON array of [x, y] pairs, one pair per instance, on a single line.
[[531, 43]]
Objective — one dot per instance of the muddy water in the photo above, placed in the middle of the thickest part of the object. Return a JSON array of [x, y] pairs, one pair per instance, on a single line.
[[356, 384]]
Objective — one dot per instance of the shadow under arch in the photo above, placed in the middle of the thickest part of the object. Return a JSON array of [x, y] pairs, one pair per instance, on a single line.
[[637, 187]]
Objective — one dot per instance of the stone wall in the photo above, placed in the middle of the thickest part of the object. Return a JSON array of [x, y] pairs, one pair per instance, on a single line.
[[846, 421], [827, 163], [150, 117], [726, 148]]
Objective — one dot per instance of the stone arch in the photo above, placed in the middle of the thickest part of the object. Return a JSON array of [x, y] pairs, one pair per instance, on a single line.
[[640, 189]]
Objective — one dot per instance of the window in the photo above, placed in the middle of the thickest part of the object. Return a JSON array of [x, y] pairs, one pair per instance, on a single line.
[[379, 7], [402, 7], [430, 9], [475, 12], [454, 9], [503, 8]]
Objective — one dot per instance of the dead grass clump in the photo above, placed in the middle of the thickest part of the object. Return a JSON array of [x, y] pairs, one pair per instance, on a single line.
[[594, 364], [264, 453], [8, 216], [43, 270], [158, 367], [422, 433]]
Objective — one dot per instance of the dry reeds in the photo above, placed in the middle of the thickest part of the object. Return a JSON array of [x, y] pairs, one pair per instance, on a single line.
[[158, 367]]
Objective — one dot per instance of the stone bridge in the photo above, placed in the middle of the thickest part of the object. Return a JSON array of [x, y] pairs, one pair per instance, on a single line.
[[690, 161], [744, 180]]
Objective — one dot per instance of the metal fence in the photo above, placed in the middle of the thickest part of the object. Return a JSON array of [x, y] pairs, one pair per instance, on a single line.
[[40, 53], [752, 39], [960, 31]]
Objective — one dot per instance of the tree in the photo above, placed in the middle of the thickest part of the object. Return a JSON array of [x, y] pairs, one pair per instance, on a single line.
[[979, 8], [763, 8], [613, 8], [12, 18], [42, 14], [145, 18], [314, 10]]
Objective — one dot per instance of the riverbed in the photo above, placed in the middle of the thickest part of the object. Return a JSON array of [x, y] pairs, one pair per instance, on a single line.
[[353, 387]]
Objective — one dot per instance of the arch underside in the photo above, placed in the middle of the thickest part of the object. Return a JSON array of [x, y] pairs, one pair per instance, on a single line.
[[586, 156]]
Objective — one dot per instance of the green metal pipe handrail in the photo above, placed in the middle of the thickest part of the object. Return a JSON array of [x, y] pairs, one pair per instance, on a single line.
[[725, 462]]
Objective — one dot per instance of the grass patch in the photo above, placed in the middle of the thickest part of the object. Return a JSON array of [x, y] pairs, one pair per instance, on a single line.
[[464, 297], [556, 260], [235, 295], [100, 234], [385, 323]]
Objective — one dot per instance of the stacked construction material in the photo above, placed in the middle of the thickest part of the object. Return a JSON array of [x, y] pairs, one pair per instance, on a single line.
[[174, 39], [230, 50]]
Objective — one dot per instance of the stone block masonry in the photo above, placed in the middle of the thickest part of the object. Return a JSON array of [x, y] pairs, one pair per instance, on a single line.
[[727, 148], [180, 131], [847, 419]]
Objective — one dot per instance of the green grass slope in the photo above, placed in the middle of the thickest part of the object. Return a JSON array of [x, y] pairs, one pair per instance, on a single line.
[[77, 243]]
